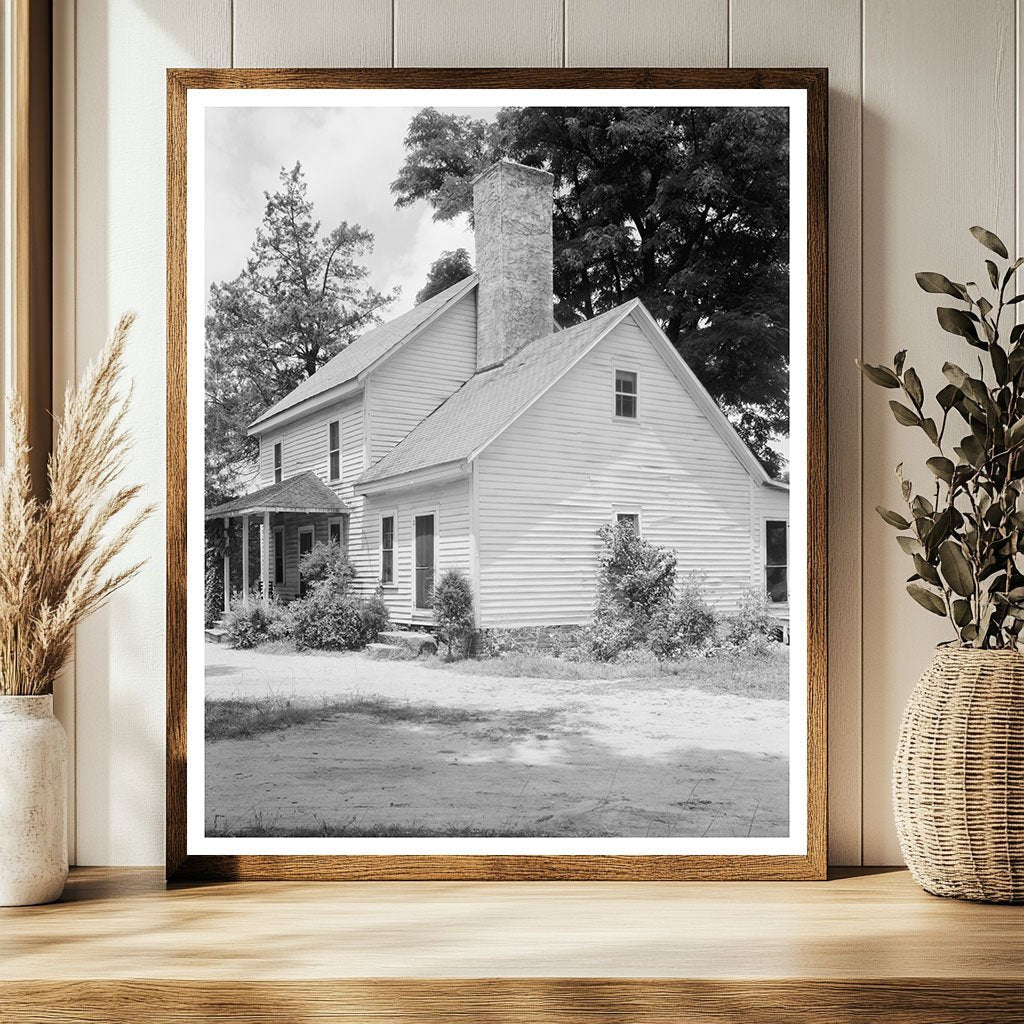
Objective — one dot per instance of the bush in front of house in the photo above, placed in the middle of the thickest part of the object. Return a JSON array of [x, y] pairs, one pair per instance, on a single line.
[[330, 617], [683, 624], [635, 581], [327, 563], [253, 622], [752, 629], [453, 612]]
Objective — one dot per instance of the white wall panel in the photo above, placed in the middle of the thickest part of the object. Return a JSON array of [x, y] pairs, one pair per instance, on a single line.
[[792, 33], [312, 33], [478, 33], [122, 53], [939, 156], [646, 33]]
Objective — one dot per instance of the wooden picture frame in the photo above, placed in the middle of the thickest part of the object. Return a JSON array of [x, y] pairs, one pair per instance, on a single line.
[[811, 864]]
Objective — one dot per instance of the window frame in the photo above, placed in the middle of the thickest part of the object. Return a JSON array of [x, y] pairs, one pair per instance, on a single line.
[[391, 584], [341, 523], [765, 566], [278, 461], [616, 415], [331, 452], [423, 510], [630, 510]]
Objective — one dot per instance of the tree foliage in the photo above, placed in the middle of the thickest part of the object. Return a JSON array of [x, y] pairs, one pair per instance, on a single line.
[[453, 611], [965, 530], [300, 299], [685, 208], [451, 267]]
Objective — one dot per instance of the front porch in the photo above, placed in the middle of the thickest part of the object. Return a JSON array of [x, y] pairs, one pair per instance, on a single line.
[[291, 516]]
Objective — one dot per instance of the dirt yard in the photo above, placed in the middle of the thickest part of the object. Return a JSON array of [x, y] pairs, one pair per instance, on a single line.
[[402, 748]]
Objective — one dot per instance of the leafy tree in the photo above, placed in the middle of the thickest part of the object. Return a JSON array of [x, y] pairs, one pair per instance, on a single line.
[[300, 299], [685, 208], [449, 268], [453, 610]]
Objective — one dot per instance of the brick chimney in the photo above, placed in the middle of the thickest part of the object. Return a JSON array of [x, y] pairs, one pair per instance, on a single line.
[[512, 219]]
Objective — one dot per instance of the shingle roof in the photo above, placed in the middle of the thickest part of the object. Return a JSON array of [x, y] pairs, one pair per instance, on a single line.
[[305, 492], [367, 349], [489, 400]]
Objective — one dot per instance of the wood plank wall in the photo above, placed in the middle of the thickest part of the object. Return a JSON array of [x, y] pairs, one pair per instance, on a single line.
[[925, 141]]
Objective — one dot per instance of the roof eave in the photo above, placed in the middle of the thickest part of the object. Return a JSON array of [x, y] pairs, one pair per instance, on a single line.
[[440, 473], [337, 393]]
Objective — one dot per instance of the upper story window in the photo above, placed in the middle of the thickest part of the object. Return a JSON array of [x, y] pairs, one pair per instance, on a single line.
[[625, 394], [334, 450], [278, 463], [776, 560]]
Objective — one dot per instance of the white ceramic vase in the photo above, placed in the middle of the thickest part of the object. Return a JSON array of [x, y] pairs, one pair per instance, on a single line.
[[33, 802]]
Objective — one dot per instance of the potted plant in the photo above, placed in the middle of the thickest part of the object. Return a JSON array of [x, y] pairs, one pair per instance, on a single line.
[[56, 566], [958, 781]]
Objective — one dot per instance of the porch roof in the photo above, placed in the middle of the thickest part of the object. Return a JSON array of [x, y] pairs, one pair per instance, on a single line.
[[305, 492]]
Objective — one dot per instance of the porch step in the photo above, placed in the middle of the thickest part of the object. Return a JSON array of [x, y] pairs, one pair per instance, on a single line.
[[421, 643], [215, 634]]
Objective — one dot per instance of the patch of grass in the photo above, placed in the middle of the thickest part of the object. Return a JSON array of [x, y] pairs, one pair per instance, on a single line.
[[764, 676], [243, 718]]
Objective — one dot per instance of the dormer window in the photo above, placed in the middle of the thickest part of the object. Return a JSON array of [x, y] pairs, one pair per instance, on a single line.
[[625, 394], [278, 463], [334, 450]]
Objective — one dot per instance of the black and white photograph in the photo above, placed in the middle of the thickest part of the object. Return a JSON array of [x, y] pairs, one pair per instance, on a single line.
[[500, 503]]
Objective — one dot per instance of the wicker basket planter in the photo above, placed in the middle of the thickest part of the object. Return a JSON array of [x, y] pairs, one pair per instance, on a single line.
[[958, 777]]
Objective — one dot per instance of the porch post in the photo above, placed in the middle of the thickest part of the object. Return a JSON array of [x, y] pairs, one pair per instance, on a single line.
[[265, 556], [245, 559], [227, 564]]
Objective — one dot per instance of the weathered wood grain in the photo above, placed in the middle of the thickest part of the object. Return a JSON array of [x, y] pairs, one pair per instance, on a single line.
[[860, 947]]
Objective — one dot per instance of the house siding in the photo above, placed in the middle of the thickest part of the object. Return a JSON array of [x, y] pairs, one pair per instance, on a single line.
[[451, 504], [418, 378], [304, 447], [558, 473]]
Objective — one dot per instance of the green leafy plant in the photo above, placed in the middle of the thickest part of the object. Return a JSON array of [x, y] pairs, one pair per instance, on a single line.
[[453, 612], [965, 530]]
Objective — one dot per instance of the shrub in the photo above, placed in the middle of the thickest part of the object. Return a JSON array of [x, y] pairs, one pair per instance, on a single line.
[[681, 625], [250, 623], [635, 580], [329, 619], [752, 627], [327, 563], [632, 572], [453, 611]]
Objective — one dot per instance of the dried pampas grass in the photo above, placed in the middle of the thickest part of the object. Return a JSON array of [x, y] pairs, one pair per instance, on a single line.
[[56, 556]]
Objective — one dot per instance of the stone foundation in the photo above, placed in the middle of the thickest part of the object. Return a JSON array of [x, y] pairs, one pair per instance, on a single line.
[[522, 640]]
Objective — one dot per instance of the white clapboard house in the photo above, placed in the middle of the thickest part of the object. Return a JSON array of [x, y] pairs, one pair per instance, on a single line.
[[469, 433]]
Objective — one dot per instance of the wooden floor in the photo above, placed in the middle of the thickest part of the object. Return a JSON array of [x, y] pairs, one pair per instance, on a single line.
[[864, 947]]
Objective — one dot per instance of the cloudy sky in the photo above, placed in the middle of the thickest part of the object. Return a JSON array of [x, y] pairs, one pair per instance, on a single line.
[[350, 156]]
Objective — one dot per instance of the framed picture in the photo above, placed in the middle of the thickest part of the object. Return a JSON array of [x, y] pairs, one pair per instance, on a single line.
[[496, 474]]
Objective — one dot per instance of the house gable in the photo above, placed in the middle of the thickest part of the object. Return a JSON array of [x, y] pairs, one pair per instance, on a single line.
[[566, 465]]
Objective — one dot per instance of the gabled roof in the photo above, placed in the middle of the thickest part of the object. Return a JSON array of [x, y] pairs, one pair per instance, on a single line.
[[475, 414], [305, 492], [369, 348], [488, 403]]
